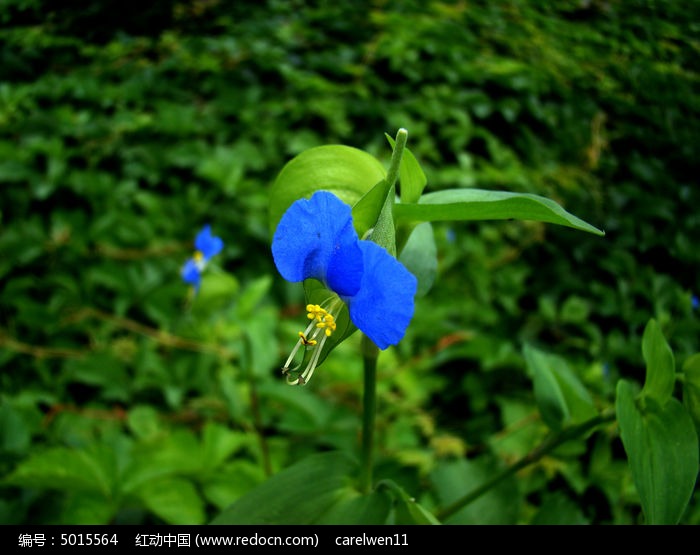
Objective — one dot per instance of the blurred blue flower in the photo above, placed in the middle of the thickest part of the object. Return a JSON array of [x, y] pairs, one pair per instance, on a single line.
[[206, 246], [316, 239], [694, 302]]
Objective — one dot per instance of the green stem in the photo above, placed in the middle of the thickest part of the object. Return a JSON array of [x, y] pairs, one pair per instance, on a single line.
[[392, 174], [370, 353], [258, 424], [549, 444], [255, 410]]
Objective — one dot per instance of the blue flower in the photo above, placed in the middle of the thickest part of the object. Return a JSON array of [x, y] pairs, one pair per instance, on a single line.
[[694, 302], [206, 246], [316, 239]]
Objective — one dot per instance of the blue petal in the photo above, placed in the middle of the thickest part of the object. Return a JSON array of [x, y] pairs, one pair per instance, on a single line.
[[207, 244], [315, 239], [191, 274], [383, 307]]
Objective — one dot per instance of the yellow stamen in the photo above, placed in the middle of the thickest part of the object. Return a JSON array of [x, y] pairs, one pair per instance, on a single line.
[[321, 326], [327, 324], [315, 312], [306, 342]]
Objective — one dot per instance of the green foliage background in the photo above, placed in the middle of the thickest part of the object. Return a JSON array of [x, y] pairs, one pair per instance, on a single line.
[[123, 130]]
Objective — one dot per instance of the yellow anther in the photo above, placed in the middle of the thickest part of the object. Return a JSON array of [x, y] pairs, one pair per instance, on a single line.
[[305, 341], [315, 312], [198, 256], [321, 321], [327, 324]]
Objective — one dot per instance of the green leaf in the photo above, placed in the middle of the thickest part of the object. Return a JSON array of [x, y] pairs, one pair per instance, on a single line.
[[216, 292], [101, 369], [662, 448], [558, 509], [661, 373], [420, 257], [455, 478], [575, 310], [219, 443], [67, 469], [305, 412], [301, 494], [409, 511], [412, 180], [561, 397], [86, 508], [345, 171], [258, 330], [144, 422], [175, 453], [175, 500], [691, 388], [230, 482], [356, 508], [406, 510], [477, 204], [252, 296], [14, 432]]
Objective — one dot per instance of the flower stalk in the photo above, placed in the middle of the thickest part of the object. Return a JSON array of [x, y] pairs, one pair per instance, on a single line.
[[370, 353]]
